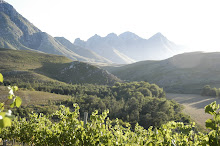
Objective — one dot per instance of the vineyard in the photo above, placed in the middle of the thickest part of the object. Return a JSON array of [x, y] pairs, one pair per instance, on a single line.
[[69, 130]]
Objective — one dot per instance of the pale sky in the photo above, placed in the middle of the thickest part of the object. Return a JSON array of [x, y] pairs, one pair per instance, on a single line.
[[193, 23]]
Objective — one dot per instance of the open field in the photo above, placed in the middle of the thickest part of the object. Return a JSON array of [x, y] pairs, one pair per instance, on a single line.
[[194, 105], [33, 97]]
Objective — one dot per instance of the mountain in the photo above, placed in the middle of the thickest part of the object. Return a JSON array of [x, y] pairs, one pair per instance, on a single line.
[[104, 46], [82, 51], [129, 47], [40, 67], [183, 73], [18, 33]]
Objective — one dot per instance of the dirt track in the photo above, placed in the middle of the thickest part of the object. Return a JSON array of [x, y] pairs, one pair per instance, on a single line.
[[194, 105]]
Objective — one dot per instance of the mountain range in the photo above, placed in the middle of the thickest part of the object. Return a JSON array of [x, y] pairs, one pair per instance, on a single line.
[[129, 47], [185, 73], [17, 33]]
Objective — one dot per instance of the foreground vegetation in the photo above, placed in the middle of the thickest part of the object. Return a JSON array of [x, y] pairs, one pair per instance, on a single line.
[[69, 130]]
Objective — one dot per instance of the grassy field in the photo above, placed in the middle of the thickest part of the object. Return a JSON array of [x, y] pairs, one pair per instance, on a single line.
[[33, 97], [194, 105]]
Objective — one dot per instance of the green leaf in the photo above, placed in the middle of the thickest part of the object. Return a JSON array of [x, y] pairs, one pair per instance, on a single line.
[[10, 96], [1, 105], [1, 123], [2, 108], [12, 105], [2, 114], [5, 122], [209, 109], [217, 119], [210, 124], [1, 78], [18, 101], [206, 138], [15, 88]]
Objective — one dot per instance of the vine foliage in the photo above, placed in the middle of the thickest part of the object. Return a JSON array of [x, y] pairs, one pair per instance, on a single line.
[[6, 114]]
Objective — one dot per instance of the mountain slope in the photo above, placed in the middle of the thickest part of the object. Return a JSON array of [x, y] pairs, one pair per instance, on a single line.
[[183, 73], [128, 47], [82, 51], [104, 46], [39, 66], [18, 33]]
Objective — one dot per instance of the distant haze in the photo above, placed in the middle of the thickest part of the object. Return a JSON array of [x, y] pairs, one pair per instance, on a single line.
[[191, 23]]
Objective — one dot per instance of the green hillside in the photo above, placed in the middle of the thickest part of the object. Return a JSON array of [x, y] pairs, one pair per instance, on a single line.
[[184, 73], [29, 66]]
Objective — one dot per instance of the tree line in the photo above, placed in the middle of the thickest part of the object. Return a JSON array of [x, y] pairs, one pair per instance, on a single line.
[[207, 90], [134, 102]]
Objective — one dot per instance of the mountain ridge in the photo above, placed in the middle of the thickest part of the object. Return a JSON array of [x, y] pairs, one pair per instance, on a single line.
[[82, 51], [132, 46], [182, 73], [17, 33]]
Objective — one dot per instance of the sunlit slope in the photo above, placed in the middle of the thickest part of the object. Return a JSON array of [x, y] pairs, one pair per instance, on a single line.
[[31, 66], [82, 51], [17, 33], [33, 97], [184, 73]]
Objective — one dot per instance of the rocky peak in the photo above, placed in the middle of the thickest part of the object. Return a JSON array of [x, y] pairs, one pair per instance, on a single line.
[[95, 37], [129, 36], [158, 36], [2, 1], [111, 38], [7, 8], [112, 35], [79, 42]]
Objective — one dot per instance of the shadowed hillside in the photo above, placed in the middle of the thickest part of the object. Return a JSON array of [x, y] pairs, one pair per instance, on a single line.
[[183, 73]]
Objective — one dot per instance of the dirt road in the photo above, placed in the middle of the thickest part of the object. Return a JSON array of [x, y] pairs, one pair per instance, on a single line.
[[194, 105]]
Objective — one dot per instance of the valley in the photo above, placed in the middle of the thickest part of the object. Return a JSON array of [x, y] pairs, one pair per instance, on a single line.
[[114, 89]]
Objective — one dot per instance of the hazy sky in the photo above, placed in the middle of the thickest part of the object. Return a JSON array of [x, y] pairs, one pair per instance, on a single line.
[[194, 23]]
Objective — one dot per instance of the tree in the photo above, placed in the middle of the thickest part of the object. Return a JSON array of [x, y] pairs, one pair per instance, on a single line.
[[206, 90]]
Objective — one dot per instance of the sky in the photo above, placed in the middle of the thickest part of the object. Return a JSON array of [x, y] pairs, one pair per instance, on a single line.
[[192, 23]]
